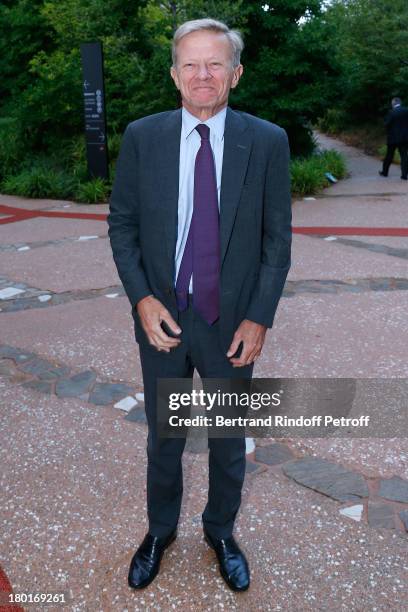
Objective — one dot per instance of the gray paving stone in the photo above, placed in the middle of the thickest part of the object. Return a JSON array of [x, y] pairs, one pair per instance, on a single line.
[[55, 372], [273, 454], [395, 489], [401, 283], [375, 248], [7, 367], [136, 414], [251, 467], [328, 478], [37, 366], [76, 385], [404, 518], [19, 355], [380, 284], [107, 393], [381, 515], [41, 386]]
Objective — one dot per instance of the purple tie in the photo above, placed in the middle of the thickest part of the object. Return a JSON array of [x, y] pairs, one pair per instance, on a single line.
[[201, 256]]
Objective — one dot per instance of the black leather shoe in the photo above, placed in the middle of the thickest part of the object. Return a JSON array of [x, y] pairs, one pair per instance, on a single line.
[[404, 178], [145, 564], [233, 564], [382, 173]]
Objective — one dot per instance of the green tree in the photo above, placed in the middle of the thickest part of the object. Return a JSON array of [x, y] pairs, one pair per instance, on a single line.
[[371, 42], [290, 76]]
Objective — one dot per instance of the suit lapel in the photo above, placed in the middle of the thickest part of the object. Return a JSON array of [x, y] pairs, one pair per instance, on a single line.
[[237, 149], [169, 162]]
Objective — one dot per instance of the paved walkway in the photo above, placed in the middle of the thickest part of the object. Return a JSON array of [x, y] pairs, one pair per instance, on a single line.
[[323, 520]]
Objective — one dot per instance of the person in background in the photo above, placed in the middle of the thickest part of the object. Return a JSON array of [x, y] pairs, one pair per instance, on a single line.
[[396, 123]]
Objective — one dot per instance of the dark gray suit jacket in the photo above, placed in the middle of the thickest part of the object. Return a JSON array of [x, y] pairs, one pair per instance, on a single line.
[[255, 216], [397, 125]]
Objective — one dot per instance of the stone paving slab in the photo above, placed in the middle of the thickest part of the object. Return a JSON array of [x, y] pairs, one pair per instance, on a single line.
[[396, 242], [75, 266], [328, 478], [368, 211], [373, 457], [394, 489], [76, 385], [391, 251], [43, 228], [96, 334], [310, 256], [273, 454], [380, 515], [348, 335], [77, 525]]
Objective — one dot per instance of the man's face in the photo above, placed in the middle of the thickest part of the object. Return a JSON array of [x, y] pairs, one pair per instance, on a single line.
[[204, 73]]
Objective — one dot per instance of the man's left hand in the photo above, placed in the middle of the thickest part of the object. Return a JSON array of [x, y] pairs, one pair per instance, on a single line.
[[252, 336]]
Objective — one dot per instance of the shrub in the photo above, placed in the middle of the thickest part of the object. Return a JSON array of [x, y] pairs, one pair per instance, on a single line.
[[334, 162], [308, 174], [39, 181], [11, 146], [334, 121], [93, 191]]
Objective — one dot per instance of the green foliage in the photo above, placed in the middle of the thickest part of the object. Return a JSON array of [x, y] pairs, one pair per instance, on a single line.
[[333, 121], [23, 33], [11, 146], [308, 174], [289, 72], [289, 59], [93, 191], [39, 181], [371, 44]]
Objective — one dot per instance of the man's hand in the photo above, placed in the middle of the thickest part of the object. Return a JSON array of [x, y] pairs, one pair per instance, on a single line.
[[252, 335], [152, 312]]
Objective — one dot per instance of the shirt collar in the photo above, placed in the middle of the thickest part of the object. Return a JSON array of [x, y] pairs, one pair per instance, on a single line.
[[215, 123]]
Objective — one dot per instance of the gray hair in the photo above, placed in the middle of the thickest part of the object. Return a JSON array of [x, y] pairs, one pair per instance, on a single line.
[[212, 25]]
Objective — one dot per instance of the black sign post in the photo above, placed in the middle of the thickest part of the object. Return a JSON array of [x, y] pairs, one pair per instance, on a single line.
[[94, 110]]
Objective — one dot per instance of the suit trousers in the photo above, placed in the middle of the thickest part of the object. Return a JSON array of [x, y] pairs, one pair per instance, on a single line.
[[403, 151], [200, 349]]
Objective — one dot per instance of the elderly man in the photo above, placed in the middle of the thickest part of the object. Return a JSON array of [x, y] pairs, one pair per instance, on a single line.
[[200, 229]]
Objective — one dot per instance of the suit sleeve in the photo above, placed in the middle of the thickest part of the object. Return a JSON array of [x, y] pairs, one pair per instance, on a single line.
[[277, 236], [123, 221]]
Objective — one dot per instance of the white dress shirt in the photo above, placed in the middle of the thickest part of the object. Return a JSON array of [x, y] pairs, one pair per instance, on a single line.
[[190, 142]]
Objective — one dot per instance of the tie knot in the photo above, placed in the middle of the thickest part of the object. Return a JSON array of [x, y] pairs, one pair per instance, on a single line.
[[203, 130]]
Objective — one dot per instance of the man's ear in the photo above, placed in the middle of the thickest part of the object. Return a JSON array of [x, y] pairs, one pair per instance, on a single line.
[[237, 75], [174, 76]]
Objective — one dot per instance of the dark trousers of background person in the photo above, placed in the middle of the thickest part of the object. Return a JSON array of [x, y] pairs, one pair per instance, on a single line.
[[199, 349], [403, 151]]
